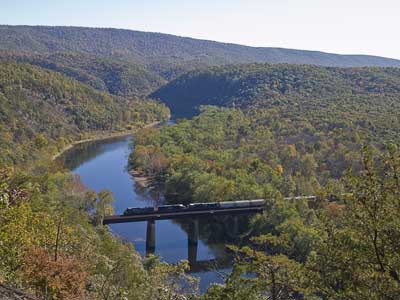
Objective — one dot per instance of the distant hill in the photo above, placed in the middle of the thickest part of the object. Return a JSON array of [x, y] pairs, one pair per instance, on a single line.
[[264, 84], [111, 75], [164, 52], [40, 107]]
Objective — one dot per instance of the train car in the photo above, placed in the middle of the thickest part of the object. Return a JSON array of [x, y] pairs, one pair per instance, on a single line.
[[257, 202], [138, 211], [308, 198], [227, 204], [242, 203], [168, 208], [202, 206]]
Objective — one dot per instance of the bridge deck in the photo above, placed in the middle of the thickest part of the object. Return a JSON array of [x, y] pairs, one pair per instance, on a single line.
[[181, 214]]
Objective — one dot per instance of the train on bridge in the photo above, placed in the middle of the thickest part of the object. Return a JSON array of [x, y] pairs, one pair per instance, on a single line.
[[194, 210], [209, 206], [194, 207]]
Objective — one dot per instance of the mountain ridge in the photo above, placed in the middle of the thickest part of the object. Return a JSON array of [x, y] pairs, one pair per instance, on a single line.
[[151, 48]]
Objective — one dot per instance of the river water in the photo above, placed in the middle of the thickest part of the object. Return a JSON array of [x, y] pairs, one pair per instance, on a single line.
[[103, 165]]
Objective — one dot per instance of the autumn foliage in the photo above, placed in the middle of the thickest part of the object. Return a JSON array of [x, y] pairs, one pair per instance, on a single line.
[[63, 278]]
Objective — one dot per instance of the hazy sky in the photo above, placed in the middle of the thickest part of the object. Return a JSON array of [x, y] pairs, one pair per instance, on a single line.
[[340, 26]]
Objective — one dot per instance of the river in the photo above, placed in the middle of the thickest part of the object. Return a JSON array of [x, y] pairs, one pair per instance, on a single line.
[[103, 165]]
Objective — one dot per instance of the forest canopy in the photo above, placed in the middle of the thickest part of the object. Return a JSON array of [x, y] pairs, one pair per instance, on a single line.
[[41, 109], [264, 85], [257, 130], [341, 246]]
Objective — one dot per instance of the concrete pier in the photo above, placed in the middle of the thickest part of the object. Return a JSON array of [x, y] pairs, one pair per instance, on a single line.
[[151, 237], [193, 235], [193, 240], [192, 255], [235, 226]]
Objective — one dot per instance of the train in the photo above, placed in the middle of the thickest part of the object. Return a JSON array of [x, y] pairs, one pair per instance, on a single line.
[[206, 206], [194, 207]]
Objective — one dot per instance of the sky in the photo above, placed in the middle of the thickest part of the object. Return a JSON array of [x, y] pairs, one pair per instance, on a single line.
[[337, 26]]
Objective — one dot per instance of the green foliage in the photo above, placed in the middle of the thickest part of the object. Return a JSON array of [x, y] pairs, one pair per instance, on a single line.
[[112, 75], [357, 255], [230, 154], [48, 245], [41, 111], [165, 54], [290, 130], [352, 246], [303, 90], [258, 275], [347, 249], [236, 287], [103, 206]]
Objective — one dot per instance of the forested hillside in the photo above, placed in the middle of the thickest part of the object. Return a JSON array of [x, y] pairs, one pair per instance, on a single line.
[[112, 75], [52, 241], [226, 154], [290, 131], [159, 49], [40, 108], [323, 249], [296, 128], [126, 62], [267, 85], [262, 131]]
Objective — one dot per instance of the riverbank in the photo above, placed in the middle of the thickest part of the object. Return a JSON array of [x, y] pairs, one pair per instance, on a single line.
[[140, 179], [103, 165], [103, 136]]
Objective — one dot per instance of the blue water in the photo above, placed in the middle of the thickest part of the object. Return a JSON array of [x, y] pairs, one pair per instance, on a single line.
[[103, 165]]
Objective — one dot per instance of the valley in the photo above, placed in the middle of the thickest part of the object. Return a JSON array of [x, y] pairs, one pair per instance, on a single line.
[[82, 109]]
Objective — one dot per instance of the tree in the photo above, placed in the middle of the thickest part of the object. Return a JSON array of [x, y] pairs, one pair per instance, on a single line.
[[235, 287], [277, 276], [103, 206], [358, 253], [171, 281], [52, 279]]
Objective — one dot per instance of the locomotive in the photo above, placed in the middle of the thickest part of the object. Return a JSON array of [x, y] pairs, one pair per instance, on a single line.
[[148, 210]]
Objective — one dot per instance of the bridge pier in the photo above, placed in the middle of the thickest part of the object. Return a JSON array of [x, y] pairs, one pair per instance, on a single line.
[[235, 228], [193, 235], [193, 240], [192, 255], [151, 237]]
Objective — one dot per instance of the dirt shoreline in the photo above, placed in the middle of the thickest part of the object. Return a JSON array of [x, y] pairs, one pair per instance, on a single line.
[[102, 137], [140, 179]]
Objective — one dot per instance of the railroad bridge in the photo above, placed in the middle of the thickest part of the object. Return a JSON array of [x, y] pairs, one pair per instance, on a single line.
[[193, 232]]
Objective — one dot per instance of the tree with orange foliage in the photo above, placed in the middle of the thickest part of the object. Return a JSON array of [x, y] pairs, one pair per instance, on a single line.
[[54, 278]]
